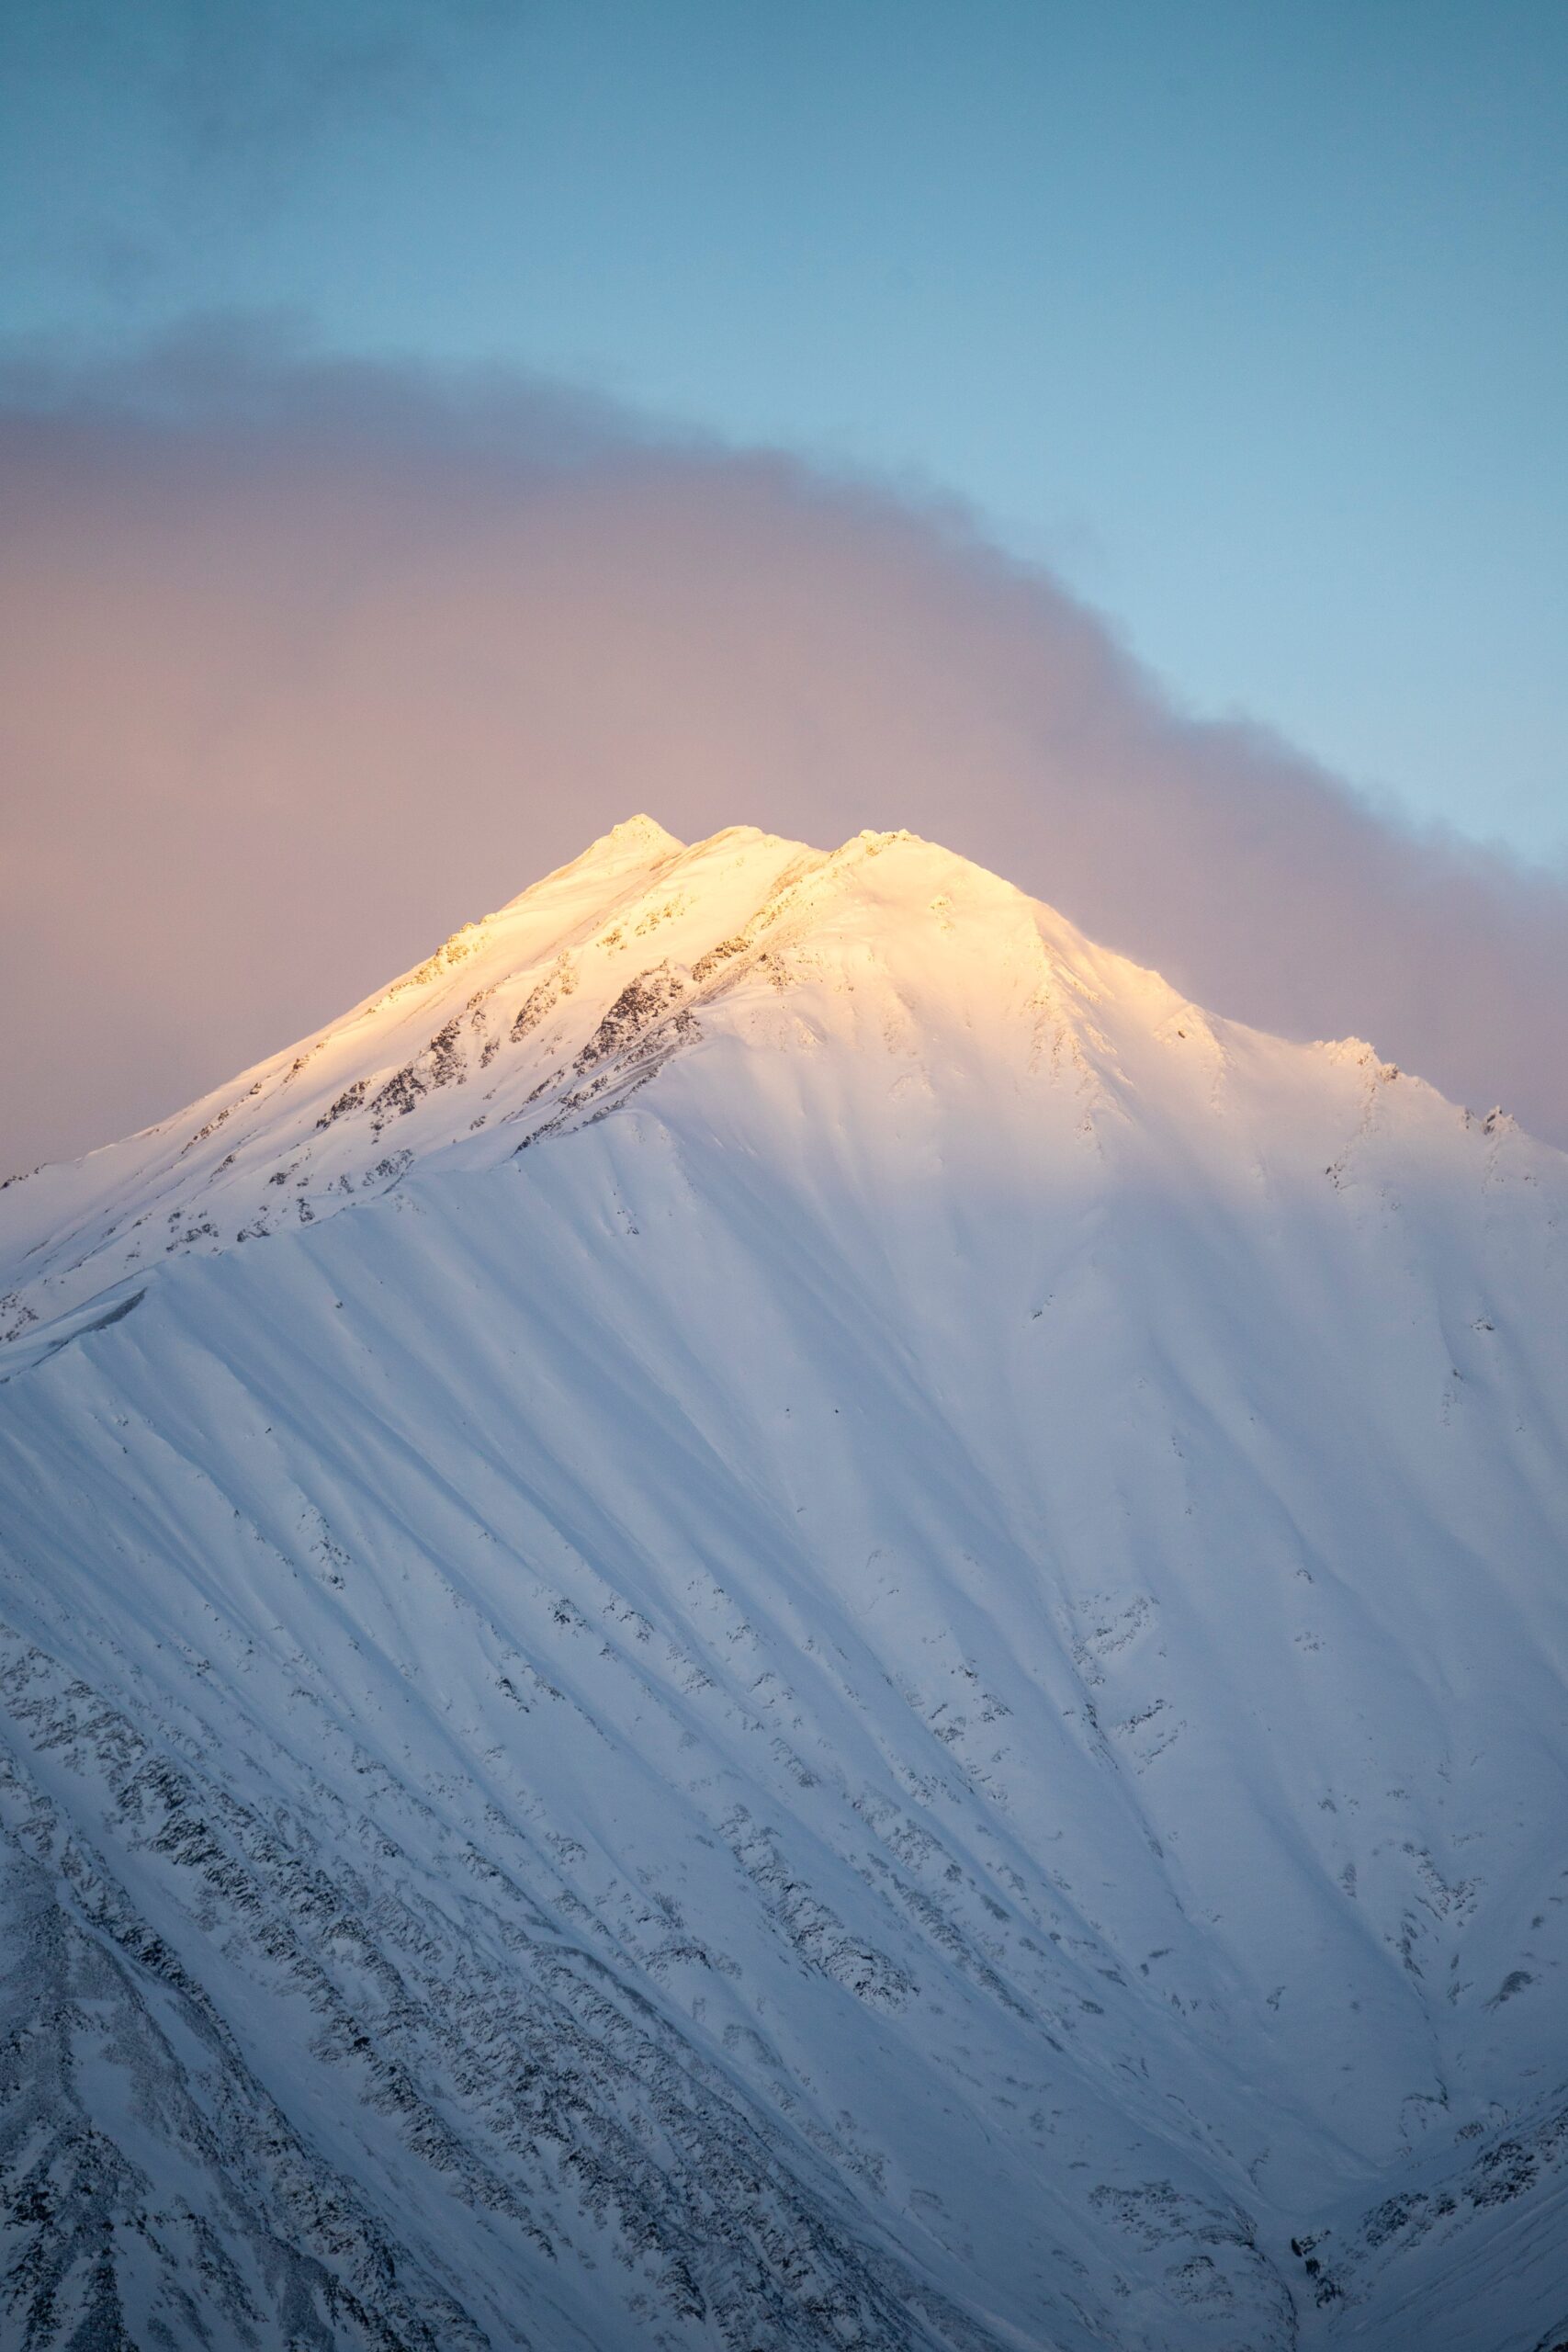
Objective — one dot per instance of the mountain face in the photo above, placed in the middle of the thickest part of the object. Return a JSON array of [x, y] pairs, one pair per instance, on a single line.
[[779, 1613]]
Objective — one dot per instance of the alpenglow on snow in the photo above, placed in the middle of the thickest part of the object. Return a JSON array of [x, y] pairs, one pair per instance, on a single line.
[[779, 1612]]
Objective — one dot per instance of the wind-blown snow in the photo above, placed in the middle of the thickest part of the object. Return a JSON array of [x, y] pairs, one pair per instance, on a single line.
[[778, 1612]]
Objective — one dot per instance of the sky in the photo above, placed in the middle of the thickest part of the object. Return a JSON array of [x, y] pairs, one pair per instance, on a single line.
[[1238, 331], [1249, 321]]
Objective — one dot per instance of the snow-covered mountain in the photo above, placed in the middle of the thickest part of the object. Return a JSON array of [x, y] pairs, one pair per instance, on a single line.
[[778, 1613]]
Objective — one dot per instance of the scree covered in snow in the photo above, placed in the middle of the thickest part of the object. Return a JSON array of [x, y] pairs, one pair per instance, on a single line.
[[777, 1613]]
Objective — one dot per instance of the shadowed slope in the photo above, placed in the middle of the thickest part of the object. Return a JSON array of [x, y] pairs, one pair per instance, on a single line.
[[841, 1630]]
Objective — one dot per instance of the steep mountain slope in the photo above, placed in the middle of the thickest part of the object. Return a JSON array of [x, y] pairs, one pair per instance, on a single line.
[[778, 1613]]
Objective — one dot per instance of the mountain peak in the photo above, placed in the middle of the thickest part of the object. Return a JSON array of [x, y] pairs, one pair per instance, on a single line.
[[780, 1610], [889, 970], [644, 830], [634, 837]]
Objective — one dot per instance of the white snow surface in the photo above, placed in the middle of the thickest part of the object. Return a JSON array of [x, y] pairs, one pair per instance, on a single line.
[[778, 1612]]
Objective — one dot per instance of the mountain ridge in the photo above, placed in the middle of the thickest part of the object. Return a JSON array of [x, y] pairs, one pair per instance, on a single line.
[[519, 955], [885, 1668]]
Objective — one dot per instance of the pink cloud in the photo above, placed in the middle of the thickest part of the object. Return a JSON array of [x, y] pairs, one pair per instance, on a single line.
[[302, 665]]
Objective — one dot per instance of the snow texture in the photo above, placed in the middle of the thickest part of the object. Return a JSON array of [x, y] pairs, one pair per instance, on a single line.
[[778, 1613]]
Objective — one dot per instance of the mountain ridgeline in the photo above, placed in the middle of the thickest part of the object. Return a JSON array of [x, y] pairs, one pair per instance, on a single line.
[[778, 1613]]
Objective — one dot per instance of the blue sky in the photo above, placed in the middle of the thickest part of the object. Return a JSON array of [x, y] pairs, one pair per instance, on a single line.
[[1249, 321]]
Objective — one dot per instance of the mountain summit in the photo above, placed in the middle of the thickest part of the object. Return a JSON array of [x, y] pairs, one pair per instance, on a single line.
[[777, 1611], [545, 1014]]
